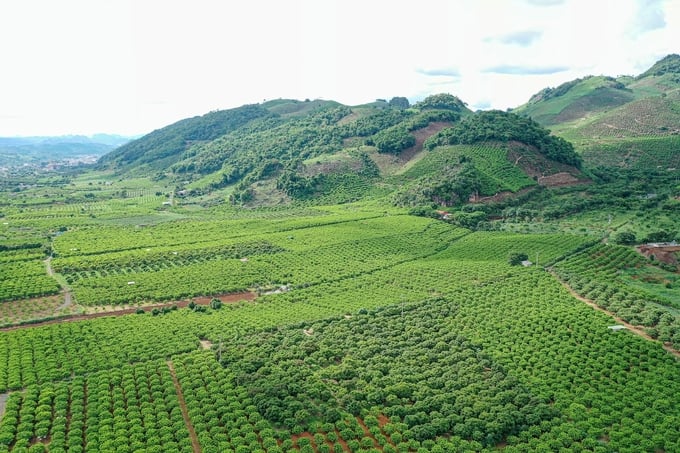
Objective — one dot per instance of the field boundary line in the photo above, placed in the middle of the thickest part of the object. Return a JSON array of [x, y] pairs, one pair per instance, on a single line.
[[183, 408]]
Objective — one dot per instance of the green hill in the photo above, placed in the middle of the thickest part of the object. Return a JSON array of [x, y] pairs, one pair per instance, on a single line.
[[576, 99], [628, 122], [163, 147], [285, 149]]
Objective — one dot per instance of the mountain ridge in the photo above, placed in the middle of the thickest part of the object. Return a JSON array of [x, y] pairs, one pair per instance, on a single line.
[[287, 149]]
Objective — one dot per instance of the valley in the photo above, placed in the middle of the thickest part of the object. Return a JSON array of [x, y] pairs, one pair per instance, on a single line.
[[305, 276]]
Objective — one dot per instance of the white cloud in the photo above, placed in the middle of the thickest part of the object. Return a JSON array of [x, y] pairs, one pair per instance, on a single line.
[[126, 66], [521, 38]]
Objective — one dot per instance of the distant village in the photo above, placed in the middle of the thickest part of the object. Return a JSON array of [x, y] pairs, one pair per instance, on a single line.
[[34, 168]]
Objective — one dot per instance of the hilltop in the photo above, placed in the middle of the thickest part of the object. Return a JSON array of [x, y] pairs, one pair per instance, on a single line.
[[284, 151], [588, 97]]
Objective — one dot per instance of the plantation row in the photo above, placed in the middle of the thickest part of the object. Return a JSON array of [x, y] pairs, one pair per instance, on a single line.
[[498, 172], [494, 163], [560, 350], [607, 391], [127, 409], [23, 279], [142, 261], [227, 238], [317, 370], [646, 117], [45, 354], [614, 389], [29, 356], [298, 268], [644, 153], [596, 273], [33, 253], [234, 423], [69, 209], [173, 234]]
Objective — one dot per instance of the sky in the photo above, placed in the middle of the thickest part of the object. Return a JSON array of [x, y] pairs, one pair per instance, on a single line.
[[131, 66]]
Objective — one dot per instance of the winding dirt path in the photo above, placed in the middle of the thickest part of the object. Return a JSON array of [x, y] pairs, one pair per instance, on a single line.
[[183, 408], [637, 330], [68, 299]]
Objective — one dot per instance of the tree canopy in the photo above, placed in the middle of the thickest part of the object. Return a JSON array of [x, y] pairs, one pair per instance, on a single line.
[[499, 126]]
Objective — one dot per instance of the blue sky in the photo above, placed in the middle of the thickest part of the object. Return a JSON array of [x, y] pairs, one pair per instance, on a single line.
[[131, 66]]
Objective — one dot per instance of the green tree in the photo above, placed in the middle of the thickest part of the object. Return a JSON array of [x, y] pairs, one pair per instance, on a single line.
[[399, 102], [624, 238], [516, 258]]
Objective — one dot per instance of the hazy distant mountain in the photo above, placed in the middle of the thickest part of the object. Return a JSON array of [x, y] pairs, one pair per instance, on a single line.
[[21, 150]]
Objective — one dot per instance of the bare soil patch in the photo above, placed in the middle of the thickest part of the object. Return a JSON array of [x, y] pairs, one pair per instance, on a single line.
[[546, 172], [3, 403], [421, 135], [664, 254], [305, 434]]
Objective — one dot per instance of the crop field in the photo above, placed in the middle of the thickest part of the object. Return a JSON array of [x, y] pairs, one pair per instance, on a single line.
[[648, 117], [364, 329], [498, 172], [643, 153], [609, 275]]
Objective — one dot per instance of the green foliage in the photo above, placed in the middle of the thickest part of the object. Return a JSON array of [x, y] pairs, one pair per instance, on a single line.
[[624, 238], [374, 122], [432, 354], [442, 101], [670, 64], [495, 125], [399, 102], [516, 258], [274, 138], [450, 175], [600, 273], [394, 139], [165, 146], [660, 236], [643, 153]]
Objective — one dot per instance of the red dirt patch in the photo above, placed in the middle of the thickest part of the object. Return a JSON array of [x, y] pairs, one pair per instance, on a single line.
[[307, 435], [367, 432], [561, 179], [421, 135], [383, 420], [665, 254]]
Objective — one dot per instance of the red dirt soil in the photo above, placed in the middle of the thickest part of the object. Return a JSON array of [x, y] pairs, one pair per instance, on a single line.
[[421, 135]]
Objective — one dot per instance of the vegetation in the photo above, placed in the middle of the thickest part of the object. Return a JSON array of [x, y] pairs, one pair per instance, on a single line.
[[279, 283], [498, 126]]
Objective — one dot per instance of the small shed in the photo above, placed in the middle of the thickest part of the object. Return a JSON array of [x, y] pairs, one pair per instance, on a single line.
[[616, 328]]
